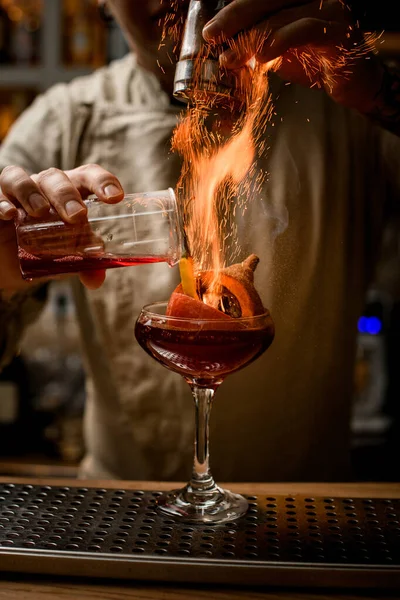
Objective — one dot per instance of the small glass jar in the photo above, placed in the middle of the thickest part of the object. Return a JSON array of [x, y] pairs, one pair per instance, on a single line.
[[143, 228]]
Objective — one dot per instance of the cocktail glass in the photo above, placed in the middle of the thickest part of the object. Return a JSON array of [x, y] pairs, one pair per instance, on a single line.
[[204, 352]]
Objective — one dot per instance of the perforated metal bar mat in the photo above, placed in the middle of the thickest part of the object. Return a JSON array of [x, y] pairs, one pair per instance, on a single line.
[[298, 540]]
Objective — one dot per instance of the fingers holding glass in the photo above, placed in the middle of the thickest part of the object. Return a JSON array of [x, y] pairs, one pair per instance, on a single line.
[[64, 191], [93, 179], [61, 193], [19, 189]]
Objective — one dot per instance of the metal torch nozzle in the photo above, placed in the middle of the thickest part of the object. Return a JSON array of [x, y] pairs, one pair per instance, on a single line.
[[199, 76]]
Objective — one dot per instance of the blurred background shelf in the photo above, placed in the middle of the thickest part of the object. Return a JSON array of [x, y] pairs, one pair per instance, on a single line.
[[44, 42]]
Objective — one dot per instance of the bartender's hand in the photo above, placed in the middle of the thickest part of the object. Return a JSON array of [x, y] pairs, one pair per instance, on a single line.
[[291, 29], [64, 191]]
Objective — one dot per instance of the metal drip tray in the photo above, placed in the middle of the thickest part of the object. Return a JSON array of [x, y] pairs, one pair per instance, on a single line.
[[298, 541]]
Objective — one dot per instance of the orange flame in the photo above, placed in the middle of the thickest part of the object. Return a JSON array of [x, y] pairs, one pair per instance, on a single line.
[[220, 153], [219, 160]]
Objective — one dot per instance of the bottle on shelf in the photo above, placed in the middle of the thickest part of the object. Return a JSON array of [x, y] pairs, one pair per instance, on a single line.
[[20, 22], [84, 34], [26, 41]]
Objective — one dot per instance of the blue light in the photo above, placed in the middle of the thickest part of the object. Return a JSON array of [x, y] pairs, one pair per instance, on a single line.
[[362, 324], [374, 326], [370, 325]]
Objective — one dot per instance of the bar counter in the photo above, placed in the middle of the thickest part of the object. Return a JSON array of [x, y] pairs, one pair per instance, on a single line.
[[23, 587]]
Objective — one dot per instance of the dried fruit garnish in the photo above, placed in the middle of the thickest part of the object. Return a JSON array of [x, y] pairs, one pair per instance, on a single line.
[[234, 295]]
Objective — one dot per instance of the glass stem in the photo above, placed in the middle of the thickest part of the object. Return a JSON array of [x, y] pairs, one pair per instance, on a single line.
[[202, 480]]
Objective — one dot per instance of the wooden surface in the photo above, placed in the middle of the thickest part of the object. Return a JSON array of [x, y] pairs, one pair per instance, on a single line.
[[23, 468], [41, 588], [360, 490], [67, 590]]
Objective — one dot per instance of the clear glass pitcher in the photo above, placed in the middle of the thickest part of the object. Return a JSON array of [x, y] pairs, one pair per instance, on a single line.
[[142, 228]]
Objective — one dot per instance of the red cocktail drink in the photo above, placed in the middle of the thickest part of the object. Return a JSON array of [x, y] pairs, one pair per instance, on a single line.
[[203, 348], [207, 354]]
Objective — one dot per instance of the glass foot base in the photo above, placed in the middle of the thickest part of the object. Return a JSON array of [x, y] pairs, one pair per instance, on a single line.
[[213, 506]]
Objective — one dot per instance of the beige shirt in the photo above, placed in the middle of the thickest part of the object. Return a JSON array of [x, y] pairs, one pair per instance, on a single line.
[[286, 417]]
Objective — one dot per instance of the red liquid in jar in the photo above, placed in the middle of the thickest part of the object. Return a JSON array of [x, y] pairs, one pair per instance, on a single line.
[[143, 228], [33, 266], [206, 355], [56, 248]]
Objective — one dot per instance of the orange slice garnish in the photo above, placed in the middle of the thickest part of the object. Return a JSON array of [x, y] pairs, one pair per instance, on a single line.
[[237, 295]]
